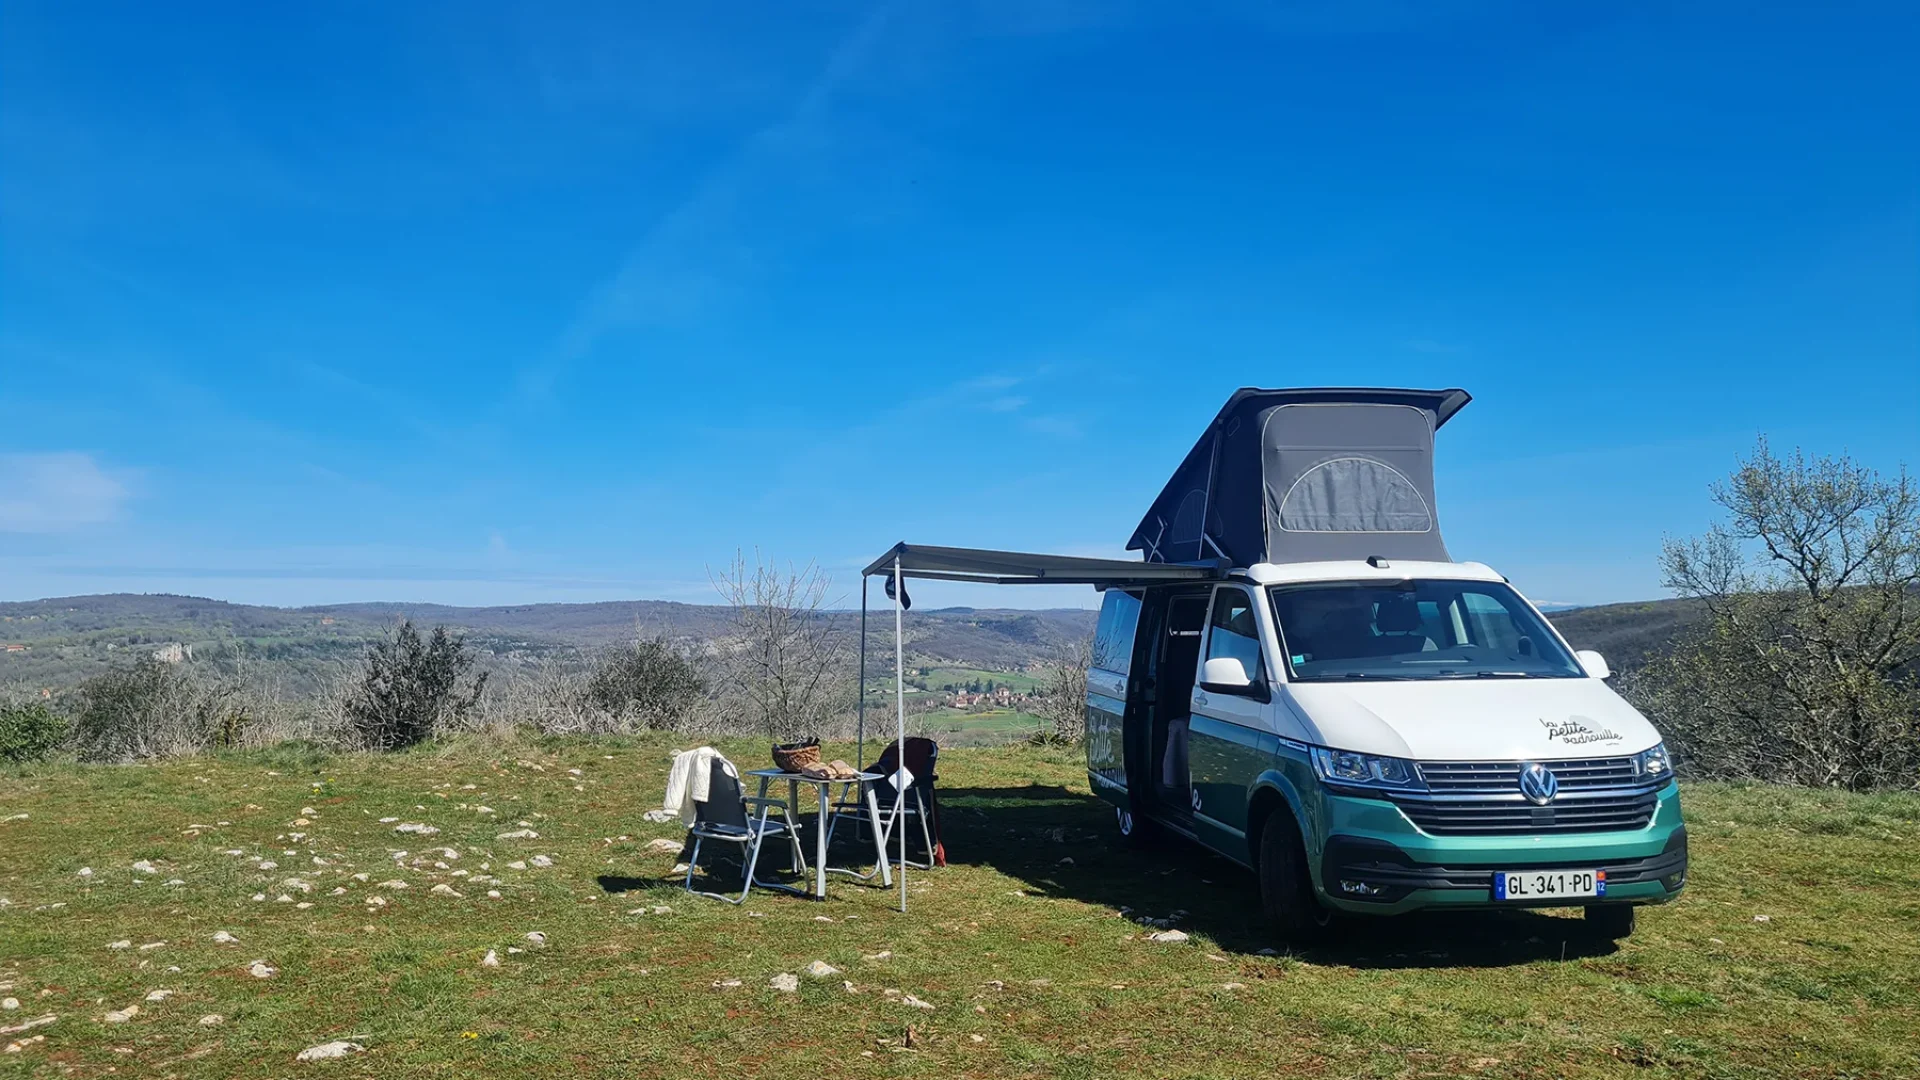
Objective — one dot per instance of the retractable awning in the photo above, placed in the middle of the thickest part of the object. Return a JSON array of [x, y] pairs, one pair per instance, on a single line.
[[1027, 568]]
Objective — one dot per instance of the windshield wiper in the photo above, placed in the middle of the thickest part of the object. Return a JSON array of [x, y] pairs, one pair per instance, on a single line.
[[1484, 675]]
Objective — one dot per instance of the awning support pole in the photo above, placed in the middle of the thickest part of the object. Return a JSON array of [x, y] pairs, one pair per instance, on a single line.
[[860, 707], [900, 704]]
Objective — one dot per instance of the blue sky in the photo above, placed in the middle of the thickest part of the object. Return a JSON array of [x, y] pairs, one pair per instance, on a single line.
[[480, 303]]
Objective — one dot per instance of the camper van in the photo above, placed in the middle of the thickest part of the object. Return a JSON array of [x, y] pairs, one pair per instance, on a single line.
[[1370, 726]]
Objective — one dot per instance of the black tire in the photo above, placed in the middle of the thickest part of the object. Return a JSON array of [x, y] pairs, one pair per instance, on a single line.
[[1609, 922], [1286, 886]]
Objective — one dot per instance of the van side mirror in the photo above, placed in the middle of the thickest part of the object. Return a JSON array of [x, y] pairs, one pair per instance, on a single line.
[[1225, 673], [1228, 675], [1595, 664]]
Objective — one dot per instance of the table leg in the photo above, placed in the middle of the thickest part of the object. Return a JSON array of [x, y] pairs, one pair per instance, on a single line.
[[879, 839], [820, 846]]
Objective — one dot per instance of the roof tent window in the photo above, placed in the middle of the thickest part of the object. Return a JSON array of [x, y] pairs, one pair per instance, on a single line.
[[1354, 495]]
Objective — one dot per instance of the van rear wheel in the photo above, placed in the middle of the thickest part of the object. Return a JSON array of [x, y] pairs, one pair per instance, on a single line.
[[1286, 886]]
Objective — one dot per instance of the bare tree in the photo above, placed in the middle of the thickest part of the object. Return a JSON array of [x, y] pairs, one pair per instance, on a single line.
[[785, 654], [1062, 702], [1804, 669]]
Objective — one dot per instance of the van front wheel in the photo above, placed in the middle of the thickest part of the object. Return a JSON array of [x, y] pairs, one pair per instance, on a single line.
[[1609, 922], [1286, 888]]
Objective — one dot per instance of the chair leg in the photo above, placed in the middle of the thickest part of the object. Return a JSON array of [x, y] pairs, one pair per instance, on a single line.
[[693, 863], [753, 858], [926, 830]]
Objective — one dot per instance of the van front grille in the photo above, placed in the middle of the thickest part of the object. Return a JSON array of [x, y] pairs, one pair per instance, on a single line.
[[1482, 798], [1503, 777], [1516, 816]]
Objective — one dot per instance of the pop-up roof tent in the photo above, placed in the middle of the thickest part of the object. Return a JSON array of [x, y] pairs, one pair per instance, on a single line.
[[1304, 476], [1278, 476]]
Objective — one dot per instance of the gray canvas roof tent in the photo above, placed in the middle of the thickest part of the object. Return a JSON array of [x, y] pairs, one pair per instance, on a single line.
[[1304, 476]]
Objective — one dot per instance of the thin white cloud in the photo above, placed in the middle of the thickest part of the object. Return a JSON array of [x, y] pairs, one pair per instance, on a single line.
[[51, 493]]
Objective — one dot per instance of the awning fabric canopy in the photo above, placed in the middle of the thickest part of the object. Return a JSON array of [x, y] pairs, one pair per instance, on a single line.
[[1026, 568]]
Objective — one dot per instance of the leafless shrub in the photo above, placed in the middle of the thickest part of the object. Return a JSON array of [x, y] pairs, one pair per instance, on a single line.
[[1804, 670], [784, 659], [156, 709], [1062, 701]]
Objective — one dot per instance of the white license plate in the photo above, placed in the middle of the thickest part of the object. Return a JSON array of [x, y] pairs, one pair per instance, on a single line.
[[1548, 884]]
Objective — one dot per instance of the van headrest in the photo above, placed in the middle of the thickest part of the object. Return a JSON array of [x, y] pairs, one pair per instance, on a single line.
[[1400, 615]]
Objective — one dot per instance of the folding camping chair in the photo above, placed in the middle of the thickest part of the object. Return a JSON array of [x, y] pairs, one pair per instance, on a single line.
[[923, 756], [726, 818]]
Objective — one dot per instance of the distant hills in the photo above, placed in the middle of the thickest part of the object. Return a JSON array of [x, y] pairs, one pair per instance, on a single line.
[[68, 638]]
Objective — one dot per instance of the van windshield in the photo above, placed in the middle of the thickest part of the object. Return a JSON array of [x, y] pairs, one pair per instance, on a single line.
[[1415, 630]]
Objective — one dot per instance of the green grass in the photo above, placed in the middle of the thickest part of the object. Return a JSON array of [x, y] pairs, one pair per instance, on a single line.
[[1030, 963]]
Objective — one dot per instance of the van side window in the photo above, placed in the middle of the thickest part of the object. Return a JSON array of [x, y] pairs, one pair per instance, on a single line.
[[1234, 632], [1113, 638]]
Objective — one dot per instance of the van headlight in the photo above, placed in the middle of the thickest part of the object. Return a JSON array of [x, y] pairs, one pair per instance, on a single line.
[[1654, 764], [1365, 770]]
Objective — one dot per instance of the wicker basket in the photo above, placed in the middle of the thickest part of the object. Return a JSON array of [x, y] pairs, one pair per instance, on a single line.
[[792, 757]]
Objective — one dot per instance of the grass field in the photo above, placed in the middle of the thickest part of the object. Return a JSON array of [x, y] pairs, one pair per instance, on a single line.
[[1794, 953]]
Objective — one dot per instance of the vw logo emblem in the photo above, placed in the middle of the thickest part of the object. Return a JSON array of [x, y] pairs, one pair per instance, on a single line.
[[1538, 784]]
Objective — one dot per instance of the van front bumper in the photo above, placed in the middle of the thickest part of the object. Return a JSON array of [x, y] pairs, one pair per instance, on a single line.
[[1373, 860]]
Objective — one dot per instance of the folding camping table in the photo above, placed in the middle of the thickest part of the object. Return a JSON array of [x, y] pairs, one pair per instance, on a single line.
[[794, 780]]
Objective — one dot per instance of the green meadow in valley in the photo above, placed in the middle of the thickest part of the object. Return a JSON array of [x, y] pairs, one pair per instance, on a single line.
[[1793, 953]]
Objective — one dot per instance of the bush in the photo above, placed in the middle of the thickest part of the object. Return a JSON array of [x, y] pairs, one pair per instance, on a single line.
[[409, 688], [649, 685], [29, 731], [153, 709]]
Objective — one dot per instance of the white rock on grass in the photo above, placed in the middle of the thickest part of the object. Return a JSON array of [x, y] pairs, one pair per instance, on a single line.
[[144, 867], [212, 1020], [84, 872], [537, 939], [29, 1025], [670, 847], [491, 960], [493, 894], [9, 1004], [376, 901], [393, 883], [120, 944], [338, 1048], [518, 834], [913, 1002], [260, 969], [516, 865], [820, 969], [541, 861], [121, 1016], [443, 889], [416, 827], [1168, 937], [785, 982], [159, 995]]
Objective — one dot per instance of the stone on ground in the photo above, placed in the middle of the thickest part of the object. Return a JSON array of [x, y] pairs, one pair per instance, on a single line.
[[492, 959], [336, 1049], [1168, 937], [121, 1016], [786, 982], [820, 969]]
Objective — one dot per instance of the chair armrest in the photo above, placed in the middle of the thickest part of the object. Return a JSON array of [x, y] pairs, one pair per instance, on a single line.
[[755, 800]]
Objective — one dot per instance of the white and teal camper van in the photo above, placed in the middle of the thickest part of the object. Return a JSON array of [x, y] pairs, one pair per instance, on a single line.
[[1370, 726]]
